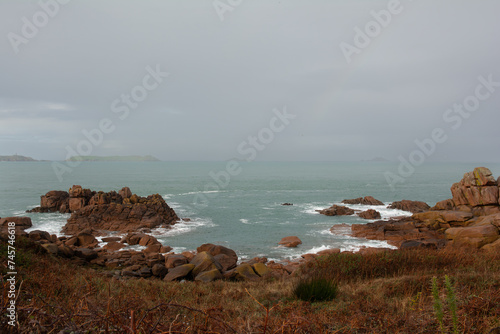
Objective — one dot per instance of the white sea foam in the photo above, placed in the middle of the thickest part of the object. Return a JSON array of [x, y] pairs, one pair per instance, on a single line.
[[49, 222], [201, 192], [244, 221], [182, 227], [311, 208]]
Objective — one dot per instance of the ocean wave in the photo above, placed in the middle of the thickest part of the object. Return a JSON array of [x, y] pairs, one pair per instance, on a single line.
[[49, 222], [182, 227], [201, 192]]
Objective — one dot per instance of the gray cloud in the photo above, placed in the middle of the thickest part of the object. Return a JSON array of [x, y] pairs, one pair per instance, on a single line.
[[227, 76]]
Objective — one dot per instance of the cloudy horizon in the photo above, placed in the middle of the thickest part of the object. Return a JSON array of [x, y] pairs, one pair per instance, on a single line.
[[257, 80]]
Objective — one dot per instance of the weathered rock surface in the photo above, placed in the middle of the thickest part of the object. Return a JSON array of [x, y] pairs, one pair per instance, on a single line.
[[209, 276], [179, 272], [204, 262], [225, 256], [112, 212], [475, 236], [337, 210], [477, 188], [107, 211], [20, 224], [53, 201], [410, 206], [471, 218], [367, 200], [292, 241], [370, 214]]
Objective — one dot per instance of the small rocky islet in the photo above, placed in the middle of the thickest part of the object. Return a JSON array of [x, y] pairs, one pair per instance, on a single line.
[[471, 219]]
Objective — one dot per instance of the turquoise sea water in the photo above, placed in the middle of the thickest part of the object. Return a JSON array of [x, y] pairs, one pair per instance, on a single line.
[[245, 213]]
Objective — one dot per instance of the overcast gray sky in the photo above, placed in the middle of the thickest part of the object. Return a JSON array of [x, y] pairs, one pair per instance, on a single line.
[[63, 65]]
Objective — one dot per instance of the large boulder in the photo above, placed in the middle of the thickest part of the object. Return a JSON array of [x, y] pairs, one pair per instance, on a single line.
[[370, 214], [336, 210], [367, 200], [261, 269], [225, 256], [477, 188], [53, 201], [475, 236], [19, 224], [437, 219], [209, 276], [291, 241], [175, 260], [204, 262], [179, 272], [244, 272], [410, 206]]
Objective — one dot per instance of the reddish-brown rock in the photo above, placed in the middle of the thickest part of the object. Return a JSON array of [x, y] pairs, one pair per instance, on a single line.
[[19, 224], [410, 206], [446, 204], [114, 246], [175, 260], [367, 200], [291, 241], [229, 260], [337, 210], [475, 236], [106, 212], [53, 201], [370, 214]]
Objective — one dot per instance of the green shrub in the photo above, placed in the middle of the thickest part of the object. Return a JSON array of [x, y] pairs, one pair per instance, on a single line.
[[315, 289]]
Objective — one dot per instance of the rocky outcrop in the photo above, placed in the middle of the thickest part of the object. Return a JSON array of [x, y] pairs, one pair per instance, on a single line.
[[410, 206], [53, 201], [290, 242], [367, 200], [18, 224], [107, 211], [471, 218], [370, 214], [112, 211], [477, 188], [337, 210]]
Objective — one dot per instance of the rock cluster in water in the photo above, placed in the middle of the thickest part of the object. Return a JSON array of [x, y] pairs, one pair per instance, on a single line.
[[107, 211], [471, 218]]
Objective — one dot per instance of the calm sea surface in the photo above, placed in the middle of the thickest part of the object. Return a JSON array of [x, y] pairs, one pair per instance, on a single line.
[[244, 214]]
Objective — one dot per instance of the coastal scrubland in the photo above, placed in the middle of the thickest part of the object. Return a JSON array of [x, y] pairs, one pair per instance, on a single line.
[[383, 292]]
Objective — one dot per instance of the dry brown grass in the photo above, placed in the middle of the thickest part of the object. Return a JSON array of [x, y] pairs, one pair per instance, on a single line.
[[377, 294]]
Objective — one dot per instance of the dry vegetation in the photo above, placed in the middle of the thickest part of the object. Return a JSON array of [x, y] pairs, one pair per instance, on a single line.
[[378, 293]]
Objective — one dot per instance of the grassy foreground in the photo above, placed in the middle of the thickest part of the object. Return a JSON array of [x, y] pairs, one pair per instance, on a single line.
[[377, 293]]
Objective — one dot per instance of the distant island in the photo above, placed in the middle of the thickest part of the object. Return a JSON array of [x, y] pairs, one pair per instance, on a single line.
[[113, 158], [15, 158]]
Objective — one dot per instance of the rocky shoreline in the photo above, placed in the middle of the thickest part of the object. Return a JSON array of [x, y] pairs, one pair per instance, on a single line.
[[471, 218]]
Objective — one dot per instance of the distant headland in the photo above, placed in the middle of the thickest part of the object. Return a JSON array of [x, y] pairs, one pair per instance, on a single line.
[[15, 158], [113, 158]]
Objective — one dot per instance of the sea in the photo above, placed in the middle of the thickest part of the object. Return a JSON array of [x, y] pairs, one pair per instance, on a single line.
[[239, 204]]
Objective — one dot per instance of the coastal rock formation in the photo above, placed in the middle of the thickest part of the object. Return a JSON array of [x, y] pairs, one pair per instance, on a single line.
[[53, 201], [337, 210], [112, 211], [410, 206], [471, 218], [292, 241], [19, 224], [370, 214], [367, 200]]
